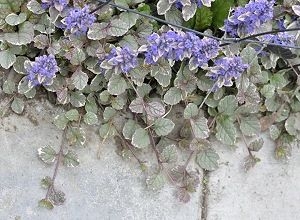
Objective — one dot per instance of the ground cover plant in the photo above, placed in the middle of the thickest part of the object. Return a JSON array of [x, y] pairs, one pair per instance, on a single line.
[[125, 66]]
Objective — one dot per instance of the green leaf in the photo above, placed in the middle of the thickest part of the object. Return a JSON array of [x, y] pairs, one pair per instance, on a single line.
[[228, 105], [129, 19], [77, 99], [169, 154], [107, 130], [14, 19], [250, 125], [200, 127], [163, 6], [163, 80], [76, 136], [190, 111], [46, 182], [220, 9], [175, 16], [47, 154], [226, 131], [57, 197], [173, 96], [109, 113], [155, 109], [274, 132], [19, 64], [162, 67], [117, 28], [79, 79], [90, 118], [98, 31], [155, 181], [116, 85], [35, 7], [23, 86], [268, 90], [256, 145], [204, 18], [137, 105], [61, 121], [199, 144], [292, 124], [7, 59], [118, 102], [163, 126], [186, 80], [278, 80], [9, 87], [143, 90], [70, 159], [189, 10], [208, 159], [77, 56], [129, 128], [17, 105], [72, 115], [140, 138], [250, 162], [45, 203], [24, 35], [7, 7]]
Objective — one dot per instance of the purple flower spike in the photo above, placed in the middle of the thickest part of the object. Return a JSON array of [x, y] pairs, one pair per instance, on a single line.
[[79, 20], [42, 70], [121, 59], [226, 69], [245, 20]]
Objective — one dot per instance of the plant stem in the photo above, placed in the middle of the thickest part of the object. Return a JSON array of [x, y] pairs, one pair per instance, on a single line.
[[189, 159], [129, 146], [153, 145], [244, 138], [58, 160]]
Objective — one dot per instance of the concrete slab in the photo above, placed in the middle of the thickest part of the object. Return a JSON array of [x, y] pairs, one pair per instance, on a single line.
[[269, 191], [108, 188]]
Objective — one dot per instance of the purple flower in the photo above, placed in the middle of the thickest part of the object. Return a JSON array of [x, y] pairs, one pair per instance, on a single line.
[[58, 4], [175, 46], [42, 70], [245, 20], [121, 60], [79, 20], [226, 69]]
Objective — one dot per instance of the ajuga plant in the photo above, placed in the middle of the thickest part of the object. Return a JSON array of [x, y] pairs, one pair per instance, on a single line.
[[125, 66]]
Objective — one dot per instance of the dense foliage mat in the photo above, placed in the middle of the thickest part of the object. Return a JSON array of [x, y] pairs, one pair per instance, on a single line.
[[126, 66]]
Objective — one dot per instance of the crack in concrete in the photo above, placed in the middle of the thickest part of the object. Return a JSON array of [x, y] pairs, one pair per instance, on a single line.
[[204, 196]]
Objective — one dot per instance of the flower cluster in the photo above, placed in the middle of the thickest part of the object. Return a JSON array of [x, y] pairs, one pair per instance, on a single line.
[[245, 20], [225, 69], [280, 38], [179, 4], [120, 60], [58, 4], [42, 70], [175, 46], [79, 20]]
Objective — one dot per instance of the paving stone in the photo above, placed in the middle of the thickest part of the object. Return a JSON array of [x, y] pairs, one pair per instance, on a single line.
[[108, 188], [269, 191]]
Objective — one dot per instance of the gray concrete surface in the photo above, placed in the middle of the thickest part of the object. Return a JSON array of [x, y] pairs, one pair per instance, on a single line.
[[108, 188], [269, 191]]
